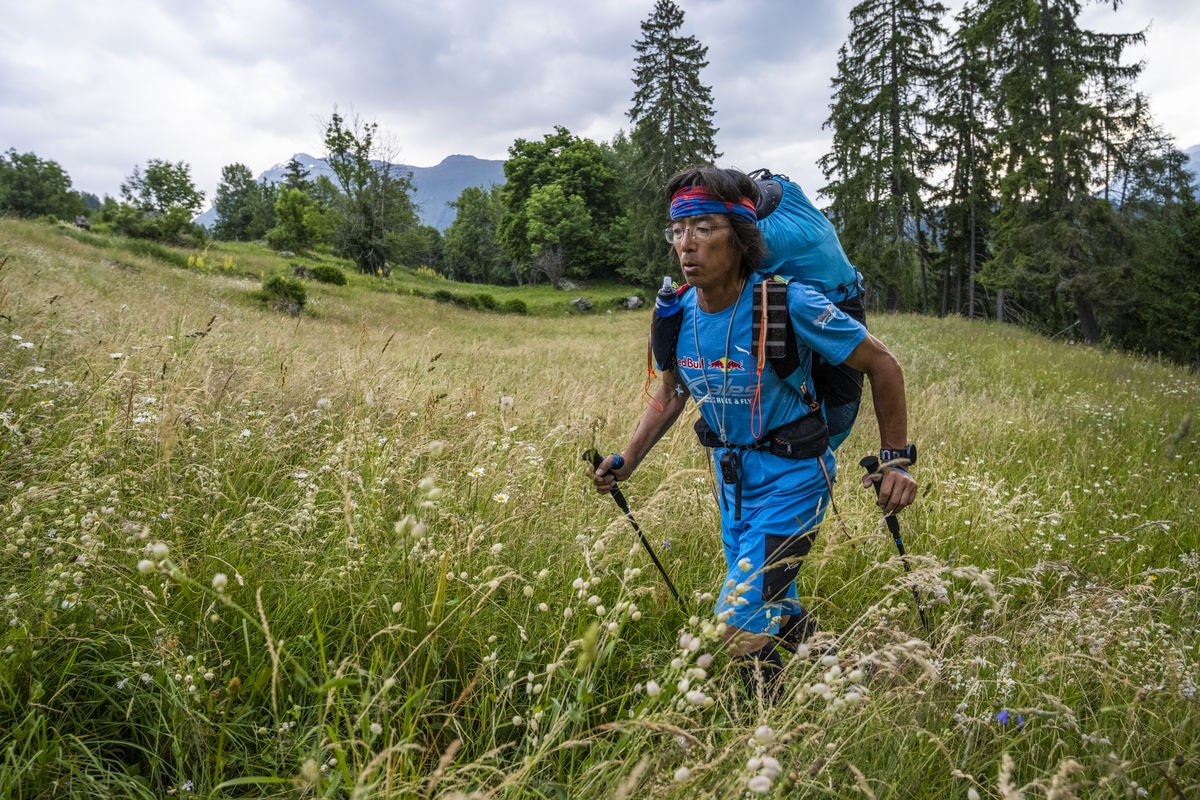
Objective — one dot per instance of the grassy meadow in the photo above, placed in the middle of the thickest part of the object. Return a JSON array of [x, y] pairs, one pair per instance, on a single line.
[[355, 554]]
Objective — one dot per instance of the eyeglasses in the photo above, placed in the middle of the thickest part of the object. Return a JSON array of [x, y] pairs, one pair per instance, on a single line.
[[700, 233]]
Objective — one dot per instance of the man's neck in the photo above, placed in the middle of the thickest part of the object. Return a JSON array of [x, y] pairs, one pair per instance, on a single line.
[[719, 298]]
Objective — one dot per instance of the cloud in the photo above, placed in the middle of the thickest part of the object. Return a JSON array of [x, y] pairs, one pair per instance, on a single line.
[[104, 86]]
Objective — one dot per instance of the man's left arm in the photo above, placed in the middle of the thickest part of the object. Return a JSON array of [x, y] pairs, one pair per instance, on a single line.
[[871, 357]]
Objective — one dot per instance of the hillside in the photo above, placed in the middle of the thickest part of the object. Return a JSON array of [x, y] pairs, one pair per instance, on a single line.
[[435, 186], [356, 553]]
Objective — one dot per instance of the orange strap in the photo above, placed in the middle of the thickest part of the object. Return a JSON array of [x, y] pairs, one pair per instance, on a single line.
[[647, 397], [756, 418]]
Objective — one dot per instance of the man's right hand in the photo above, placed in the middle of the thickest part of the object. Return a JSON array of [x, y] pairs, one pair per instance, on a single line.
[[613, 468]]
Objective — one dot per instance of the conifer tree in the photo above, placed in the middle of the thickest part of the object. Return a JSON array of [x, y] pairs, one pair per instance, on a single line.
[[1152, 189], [879, 167], [295, 176], [672, 119], [964, 136], [1057, 98], [245, 207]]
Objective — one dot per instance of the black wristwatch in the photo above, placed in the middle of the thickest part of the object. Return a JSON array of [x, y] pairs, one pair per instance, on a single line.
[[908, 452]]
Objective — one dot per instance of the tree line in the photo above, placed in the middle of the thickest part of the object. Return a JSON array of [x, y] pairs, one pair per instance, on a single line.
[[1004, 165], [1000, 164]]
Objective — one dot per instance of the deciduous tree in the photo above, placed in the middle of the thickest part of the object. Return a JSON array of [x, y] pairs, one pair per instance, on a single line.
[[472, 250], [160, 202], [32, 187], [375, 202], [585, 180], [300, 222]]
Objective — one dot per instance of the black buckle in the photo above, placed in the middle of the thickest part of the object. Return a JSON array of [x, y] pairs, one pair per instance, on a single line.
[[731, 473]]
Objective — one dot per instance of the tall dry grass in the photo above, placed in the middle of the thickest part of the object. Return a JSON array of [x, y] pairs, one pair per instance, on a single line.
[[355, 553]]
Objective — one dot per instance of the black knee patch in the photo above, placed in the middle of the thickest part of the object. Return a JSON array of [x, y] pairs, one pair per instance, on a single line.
[[784, 556]]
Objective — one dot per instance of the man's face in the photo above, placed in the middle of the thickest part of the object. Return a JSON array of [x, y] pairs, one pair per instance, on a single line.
[[705, 248]]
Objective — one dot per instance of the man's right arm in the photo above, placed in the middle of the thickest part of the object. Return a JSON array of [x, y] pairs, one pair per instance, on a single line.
[[668, 403]]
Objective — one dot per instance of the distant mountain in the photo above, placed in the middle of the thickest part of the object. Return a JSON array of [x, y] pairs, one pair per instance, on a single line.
[[435, 186], [1193, 154]]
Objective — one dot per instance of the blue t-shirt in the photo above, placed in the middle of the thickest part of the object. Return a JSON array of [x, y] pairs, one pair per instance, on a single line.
[[714, 360], [723, 380]]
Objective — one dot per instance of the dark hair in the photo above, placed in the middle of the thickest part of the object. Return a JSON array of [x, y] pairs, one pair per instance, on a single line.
[[731, 185]]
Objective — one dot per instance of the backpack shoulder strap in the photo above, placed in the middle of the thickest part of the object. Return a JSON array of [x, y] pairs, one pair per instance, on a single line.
[[780, 338]]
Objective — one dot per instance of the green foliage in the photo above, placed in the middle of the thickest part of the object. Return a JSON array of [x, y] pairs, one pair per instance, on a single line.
[[327, 273], [672, 117], [163, 187], [479, 301], [245, 207], [251, 559], [471, 247], [374, 204], [577, 239], [880, 168], [284, 293], [964, 144], [1061, 102], [173, 227], [556, 222], [295, 176], [301, 224], [417, 246], [160, 203], [1168, 285], [33, 187], [672, 111]]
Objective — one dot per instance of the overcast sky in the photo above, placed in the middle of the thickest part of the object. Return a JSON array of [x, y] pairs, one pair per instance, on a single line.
[[102, 86]]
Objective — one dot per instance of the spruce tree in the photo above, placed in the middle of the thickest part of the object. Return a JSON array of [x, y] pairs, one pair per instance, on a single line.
[[672, 119], [245, 207], [295, 176], [880, 165], [964, 135], [1058, 100], [1152, 188]]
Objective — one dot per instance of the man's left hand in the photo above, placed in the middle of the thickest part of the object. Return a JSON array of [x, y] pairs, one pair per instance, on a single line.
[[897, 489]]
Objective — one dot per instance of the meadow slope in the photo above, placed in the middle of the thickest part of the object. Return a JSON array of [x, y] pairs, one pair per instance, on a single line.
[[355, 553]]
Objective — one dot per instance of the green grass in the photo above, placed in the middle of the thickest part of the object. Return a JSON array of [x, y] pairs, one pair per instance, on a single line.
[[255, 261], [355, 553]]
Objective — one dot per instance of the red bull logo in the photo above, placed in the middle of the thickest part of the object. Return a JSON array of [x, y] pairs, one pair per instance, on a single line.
[[726, 365]]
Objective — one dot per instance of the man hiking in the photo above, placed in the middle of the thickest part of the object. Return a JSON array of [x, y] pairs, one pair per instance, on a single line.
[[768, 441]]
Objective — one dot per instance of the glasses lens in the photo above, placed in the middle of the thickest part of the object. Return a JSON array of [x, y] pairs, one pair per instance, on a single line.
[[669, 234]]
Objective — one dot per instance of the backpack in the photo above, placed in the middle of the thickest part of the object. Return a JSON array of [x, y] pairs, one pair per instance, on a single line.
[[803, 246], [801, 241]]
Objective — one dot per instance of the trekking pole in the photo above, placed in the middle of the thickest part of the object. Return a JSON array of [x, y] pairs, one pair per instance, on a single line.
[[871, 465], [594, 458]]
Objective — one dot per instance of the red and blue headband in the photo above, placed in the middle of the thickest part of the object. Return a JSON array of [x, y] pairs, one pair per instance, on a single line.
[[691, 201]]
